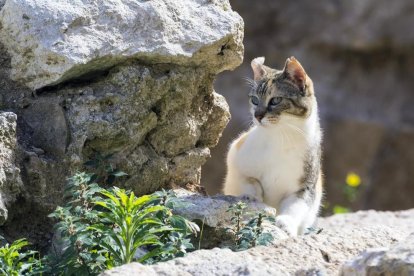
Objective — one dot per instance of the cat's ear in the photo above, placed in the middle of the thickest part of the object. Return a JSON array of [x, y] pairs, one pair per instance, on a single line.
[[258, 68], [295, 72]]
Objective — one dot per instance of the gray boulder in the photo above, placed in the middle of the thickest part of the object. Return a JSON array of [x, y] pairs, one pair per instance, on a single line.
[[396, 260], [213, 216], [131, 79]]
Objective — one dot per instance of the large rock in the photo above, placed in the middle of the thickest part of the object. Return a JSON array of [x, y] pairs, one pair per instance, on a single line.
[[397, 260], [342, 238], [10, 182], [131, 79], [213, 216], [360, 56], [51, 41], [213, 211]]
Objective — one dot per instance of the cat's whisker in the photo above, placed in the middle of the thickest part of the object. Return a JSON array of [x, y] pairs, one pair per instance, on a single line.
[[248, 123], [295, 128], [251, 83], [290, 139], [283, 135]]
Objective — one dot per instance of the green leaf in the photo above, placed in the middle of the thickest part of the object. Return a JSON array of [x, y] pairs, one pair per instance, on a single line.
[[119, 173], [91, 163], [337, 209]]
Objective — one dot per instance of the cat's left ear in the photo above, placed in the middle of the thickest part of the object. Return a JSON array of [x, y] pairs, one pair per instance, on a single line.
[[259, 70], [295, 72]]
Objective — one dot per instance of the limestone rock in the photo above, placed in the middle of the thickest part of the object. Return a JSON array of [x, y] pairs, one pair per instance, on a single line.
[[211, 214], [50, 42], [397, 260], [10, 182], [131, 79], [205, 263], [400, 220], [213, 210], [342, 238]]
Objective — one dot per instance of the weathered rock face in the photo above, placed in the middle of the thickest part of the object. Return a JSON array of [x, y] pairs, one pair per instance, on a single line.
[[397, 260], [342, 238], [361, 59], [10, 182], [131, 78], [54, 41]]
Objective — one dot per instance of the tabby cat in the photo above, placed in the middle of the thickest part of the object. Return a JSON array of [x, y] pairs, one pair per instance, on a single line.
[[277, 161]]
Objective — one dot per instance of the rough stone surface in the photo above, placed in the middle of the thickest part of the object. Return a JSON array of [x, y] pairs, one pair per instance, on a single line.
[[10, 182], [397, 260], [211, 214], [399, 220], [213, 210], [342, 238], [131, 79], [51, 41], [360, 56]]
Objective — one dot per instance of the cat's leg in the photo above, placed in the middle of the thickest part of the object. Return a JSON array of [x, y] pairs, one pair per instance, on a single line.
[[298, 211], [291, 213], [252, 189], [310, 219], [237, 184]]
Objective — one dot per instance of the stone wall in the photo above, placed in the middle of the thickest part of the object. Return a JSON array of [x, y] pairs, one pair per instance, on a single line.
[[361, 59], [128, 78]]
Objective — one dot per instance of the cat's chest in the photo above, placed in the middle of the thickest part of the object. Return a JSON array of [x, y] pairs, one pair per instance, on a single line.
[[278, 163]]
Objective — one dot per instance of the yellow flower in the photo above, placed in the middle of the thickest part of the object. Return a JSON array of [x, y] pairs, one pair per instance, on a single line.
[[353, 180]]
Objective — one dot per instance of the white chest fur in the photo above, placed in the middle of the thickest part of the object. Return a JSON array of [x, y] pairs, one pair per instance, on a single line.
[[275, 154]]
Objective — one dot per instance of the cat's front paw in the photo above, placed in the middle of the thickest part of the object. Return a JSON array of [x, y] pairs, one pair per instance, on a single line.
[[287, 224], [247, 197]]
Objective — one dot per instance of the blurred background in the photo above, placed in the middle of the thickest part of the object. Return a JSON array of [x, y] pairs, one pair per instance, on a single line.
[[360, 56]]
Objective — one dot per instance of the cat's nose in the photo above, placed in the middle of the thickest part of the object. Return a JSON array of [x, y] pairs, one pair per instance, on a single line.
[[259, 116]]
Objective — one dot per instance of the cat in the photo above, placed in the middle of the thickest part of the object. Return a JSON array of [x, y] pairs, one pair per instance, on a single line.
[[278, 160]]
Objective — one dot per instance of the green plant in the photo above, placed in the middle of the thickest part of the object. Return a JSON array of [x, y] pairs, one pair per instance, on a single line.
[[177, 242], [103, 228], [350, 191], [141, 221], [102, 169], [248, 233], [81, 253], [15, 261]]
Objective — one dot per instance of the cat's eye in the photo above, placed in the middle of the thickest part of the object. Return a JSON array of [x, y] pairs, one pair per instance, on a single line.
[[275, 101], [254, 100]]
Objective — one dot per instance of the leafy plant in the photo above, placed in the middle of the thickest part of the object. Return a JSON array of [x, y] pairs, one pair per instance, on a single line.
[[177, 242], [15, 261], [238, 210], [103, 170], [138, 222], [248, 233], [350, 191], [81, 253], [102, 228]]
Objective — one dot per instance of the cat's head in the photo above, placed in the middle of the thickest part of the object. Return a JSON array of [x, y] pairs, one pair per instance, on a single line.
[[277, 94]]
